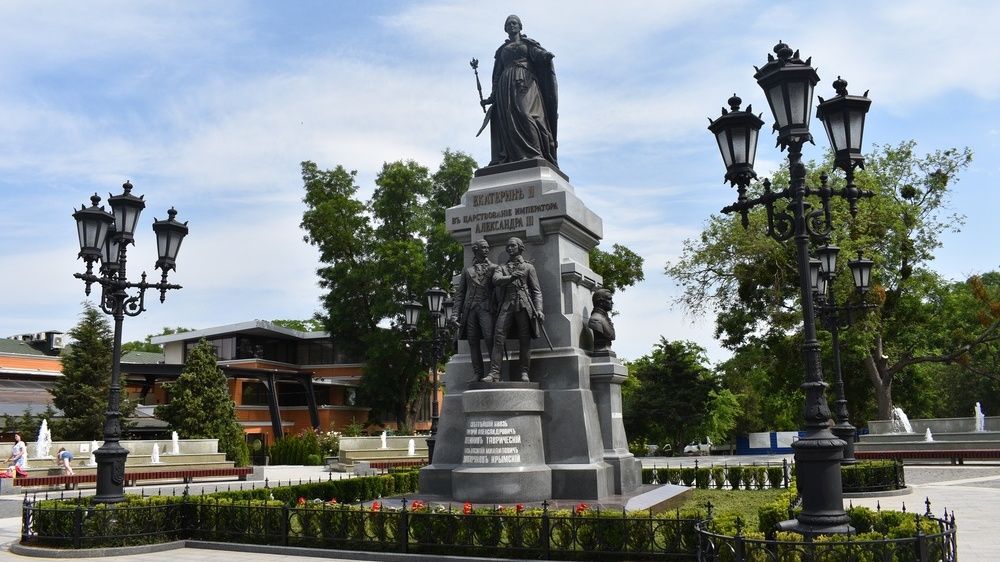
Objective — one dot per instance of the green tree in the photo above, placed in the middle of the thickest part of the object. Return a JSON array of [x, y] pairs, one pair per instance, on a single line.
[[674, 395], [200, 406], [750, 281], [82, 390], [620, 268], [398, 238], [307, 325], [147, 345]]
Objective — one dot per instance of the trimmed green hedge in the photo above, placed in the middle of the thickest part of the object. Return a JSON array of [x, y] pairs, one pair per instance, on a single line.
[[349, 490], [873, 476], [735, 477]]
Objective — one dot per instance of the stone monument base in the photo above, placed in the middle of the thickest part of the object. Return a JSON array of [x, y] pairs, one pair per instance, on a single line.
[[503, 460]]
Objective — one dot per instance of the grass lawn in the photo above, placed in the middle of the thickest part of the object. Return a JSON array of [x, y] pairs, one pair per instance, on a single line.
[[743, 502]]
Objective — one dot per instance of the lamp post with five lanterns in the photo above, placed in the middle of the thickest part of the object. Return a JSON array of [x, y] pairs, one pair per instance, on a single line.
[[104, 240], [788, 84]]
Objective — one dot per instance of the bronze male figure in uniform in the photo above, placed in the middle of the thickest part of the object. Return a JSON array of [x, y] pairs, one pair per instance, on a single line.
[[520, 310], [474, 303]]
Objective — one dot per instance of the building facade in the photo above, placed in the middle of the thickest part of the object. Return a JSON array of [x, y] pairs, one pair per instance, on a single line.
[[281, 380]]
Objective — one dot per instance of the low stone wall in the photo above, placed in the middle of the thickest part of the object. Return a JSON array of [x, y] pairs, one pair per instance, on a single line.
[[137, 449], [936, 425]]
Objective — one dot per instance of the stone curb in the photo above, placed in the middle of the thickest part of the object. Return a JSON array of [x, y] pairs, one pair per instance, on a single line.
[[883, 494], [43, 552]]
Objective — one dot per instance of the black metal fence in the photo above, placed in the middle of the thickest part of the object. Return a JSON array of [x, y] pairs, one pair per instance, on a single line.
[[509, 532], [926, 539]]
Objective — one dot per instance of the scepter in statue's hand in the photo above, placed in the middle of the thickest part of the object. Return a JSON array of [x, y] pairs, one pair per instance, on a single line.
[[474, 63]]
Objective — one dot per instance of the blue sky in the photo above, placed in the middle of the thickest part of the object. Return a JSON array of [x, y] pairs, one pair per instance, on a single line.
[[210, 107]]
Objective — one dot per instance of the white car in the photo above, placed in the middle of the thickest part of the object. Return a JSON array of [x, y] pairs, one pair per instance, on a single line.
[[696, 448]]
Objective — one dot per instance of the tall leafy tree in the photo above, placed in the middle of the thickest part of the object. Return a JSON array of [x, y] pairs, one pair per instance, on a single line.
[[750, 281], [82, 390], [200, 406], [674, 398], [376, 254]]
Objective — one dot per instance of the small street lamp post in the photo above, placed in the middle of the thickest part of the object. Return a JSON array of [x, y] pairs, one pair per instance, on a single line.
[[104, 239], [835, 316], [441, 307], [788, 84]]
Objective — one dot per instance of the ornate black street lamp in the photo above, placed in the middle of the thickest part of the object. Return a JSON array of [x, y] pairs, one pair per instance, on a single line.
[[835, 316], [441, 307], [104, 238], [788, 83]]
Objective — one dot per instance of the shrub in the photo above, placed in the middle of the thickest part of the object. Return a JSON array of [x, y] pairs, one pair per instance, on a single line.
[[296, 449], [638, 447], [872, 476], [353, 429], [687, 475], [734, 474], [718, 477], [775, 476], [702, 476], [329, 443]]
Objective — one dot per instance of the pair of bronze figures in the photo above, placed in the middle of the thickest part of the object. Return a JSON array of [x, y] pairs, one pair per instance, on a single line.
[[496, 302]]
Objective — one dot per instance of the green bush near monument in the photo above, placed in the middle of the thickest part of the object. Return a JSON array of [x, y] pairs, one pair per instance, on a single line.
[[301, 449]]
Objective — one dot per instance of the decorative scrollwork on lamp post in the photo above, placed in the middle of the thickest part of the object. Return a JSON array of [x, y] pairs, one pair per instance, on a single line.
[[104, 240], [441, 308], [788, 84]]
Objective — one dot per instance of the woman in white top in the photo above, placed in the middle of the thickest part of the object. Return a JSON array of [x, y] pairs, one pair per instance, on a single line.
[[18, 455]]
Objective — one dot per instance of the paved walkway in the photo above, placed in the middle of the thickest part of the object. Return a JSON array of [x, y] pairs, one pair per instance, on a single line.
[[972, 491]]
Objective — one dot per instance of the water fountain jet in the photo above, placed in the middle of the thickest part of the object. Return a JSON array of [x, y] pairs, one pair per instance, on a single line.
[[44, 442], [900, 422]]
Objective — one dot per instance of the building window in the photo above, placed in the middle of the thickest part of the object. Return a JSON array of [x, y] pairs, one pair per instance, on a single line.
[[225, 348], [254, 394]]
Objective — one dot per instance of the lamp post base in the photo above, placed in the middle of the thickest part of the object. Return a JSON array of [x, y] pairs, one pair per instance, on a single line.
[[846, 432], [817, 462], [796, 526], [110, 473]]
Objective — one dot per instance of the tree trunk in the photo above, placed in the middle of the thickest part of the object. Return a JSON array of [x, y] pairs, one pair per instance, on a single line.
[[877, 367]]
